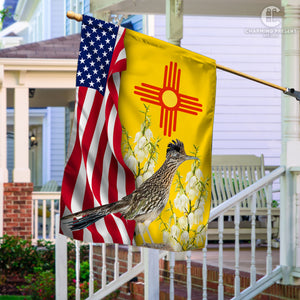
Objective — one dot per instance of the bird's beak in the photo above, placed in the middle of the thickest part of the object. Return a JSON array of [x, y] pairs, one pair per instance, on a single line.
[[187, 157]]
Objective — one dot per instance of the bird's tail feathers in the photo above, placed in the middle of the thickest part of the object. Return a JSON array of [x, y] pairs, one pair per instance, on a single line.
[[90, 216]]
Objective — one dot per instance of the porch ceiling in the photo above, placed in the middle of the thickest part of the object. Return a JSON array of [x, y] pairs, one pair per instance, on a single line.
[[44, 97], [190, 7]]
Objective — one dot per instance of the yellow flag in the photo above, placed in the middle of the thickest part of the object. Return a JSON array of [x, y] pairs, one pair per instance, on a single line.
[[168, 93]]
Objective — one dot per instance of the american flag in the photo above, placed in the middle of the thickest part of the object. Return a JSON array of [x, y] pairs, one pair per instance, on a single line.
[[95, 172]]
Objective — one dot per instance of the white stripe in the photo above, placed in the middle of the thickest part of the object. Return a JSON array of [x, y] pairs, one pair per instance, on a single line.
[[79, 189], [111, 128], [104, 180], [117, 81], [122, 230], [101, 228], [87, 236], [86, 109], [119, 34], [121, 182], [122, 55]]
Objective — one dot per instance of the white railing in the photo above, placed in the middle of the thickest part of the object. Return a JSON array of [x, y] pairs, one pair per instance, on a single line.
[[271, 276], [45, 206], [255, 287]]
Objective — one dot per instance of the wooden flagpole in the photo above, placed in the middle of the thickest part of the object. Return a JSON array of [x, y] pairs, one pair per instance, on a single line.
[[288, 91]]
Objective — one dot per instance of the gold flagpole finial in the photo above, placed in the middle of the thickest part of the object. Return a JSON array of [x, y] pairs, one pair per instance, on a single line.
[[74, 16]]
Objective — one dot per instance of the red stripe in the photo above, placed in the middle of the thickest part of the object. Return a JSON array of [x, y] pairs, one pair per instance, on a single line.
[[113, 229], [112, 179], [97, 237], [98, 168]]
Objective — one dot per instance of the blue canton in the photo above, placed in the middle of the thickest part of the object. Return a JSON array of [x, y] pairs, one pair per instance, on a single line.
[[96, 49]]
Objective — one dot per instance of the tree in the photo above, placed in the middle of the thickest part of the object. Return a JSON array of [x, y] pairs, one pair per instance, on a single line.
[[4, 12]]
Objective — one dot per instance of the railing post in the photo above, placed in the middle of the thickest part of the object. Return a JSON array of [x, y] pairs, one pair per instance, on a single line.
[[91, 267], [290, 138], [172, 265], [237, 250], [253, 241], [221, 230], [188, 275], [204, 270], [61, 270], [151, 262], [77, 270]]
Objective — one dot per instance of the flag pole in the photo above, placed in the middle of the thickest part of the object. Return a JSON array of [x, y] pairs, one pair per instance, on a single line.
[[288, 91]]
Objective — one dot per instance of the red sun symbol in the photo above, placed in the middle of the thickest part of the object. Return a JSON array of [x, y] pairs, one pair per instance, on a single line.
[[169, 98]]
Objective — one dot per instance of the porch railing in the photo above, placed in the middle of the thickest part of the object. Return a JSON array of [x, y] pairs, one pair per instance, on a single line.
[[45, 206], [255, 288]]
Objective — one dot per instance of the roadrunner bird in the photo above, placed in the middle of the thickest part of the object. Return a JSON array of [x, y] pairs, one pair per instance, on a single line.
[[146, 202]]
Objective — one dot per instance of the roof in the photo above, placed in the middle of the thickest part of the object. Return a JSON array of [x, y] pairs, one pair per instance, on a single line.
[[66, 47]]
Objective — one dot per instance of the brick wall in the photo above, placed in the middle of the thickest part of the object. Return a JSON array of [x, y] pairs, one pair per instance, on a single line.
[[127, 291], [17, 213]]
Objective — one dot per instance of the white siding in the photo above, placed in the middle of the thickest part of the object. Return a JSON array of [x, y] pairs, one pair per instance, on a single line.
[[57, 18], [57, 143], [247, 115]]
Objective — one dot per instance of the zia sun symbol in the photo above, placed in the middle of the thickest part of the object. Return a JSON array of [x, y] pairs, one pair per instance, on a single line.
[[169, 98]]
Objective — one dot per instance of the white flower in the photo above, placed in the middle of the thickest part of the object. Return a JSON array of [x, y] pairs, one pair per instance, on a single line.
[[184, 237], [200, 238], [149, 166], [192, 181], [175, 245], [198, 173], [191, 219], [199, 229], [138, 136], [148, 134], [147, 175], [188, 176], [142, 142], [140, 155], [182, 222], [176, 201], [198, 215], [182, 203], [131, 162], [139, 180], [166, 237], [192, 192], [175, 231], [200, 202]]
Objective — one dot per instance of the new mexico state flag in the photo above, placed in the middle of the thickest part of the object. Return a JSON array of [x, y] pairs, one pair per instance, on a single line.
[[168, 93]]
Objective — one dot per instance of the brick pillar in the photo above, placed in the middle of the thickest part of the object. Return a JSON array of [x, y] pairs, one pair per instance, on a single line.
[[17, 209]]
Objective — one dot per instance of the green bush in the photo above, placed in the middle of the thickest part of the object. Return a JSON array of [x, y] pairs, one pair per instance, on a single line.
[[41, 287], [17, 256], [36, 264]]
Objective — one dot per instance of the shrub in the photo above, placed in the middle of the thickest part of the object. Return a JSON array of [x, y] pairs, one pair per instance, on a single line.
[[41, 287], [17, 256], [36, 264]]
